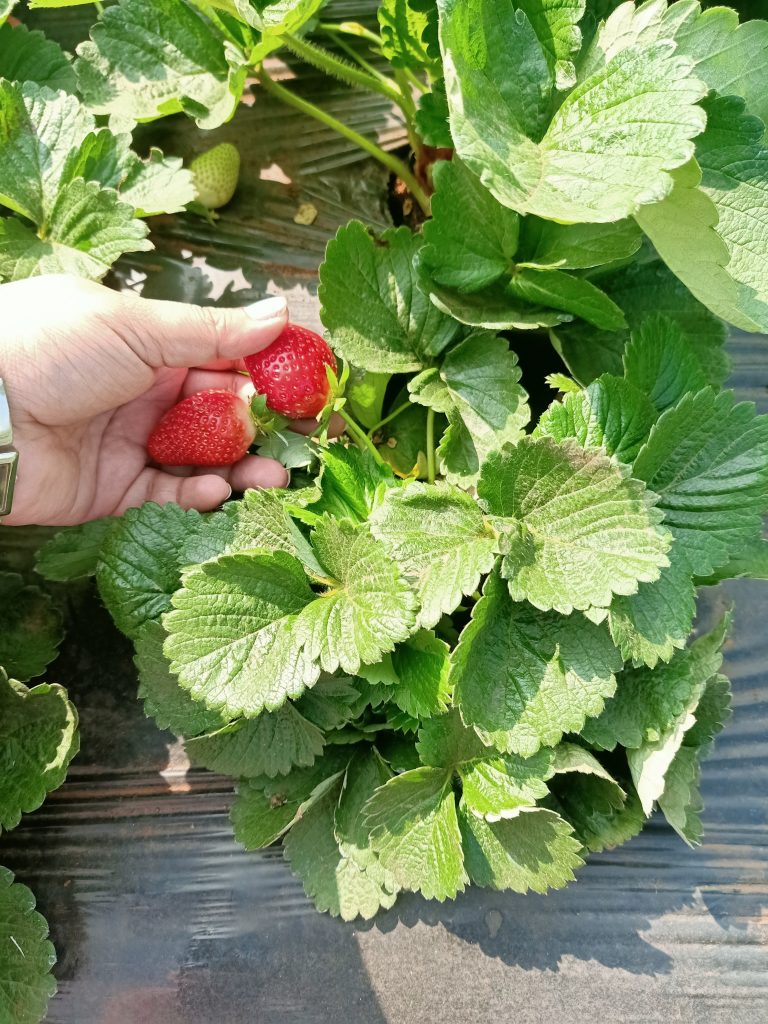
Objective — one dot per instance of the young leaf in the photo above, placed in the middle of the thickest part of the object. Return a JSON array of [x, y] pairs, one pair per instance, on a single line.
[[351, 483], [524, 678], [31, 628], [707, 458], [610, 413], [30, 57], [609, 146], [391, 327], [577, 529], [73, 553], [471, 238], [38, 739], [165, 701], [150, 58], [332, 881], [477, 388], [415, 832], [364, 775], [660, 361], [138, 563], [88, 228], [439, 538], [26, 982], [432, 117], [534, 851], [272, 744]]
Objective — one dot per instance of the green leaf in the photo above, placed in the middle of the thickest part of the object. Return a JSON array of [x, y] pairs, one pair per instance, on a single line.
[[610, 413], [30, 57], [138, 564], [31, 628], [391, 327], [38, 739], [648, 701], [402, 26], [73, 553], [165, 701], [650, 625], [159, 184], [681, 802], [88, 229], [494, 308], [264, 809], [660, 361], [438, 537], [415, 832], [26, 982], [331, 703], [611, 143], [364, 775], [271, 744], [556, 25], [477, 387], [597, 811], [365, 396], [247, 632], [642, 290], [751, 562], [534, 851], [292, 450], [471, 238], [150, 58], [546, 245], [352, 483], [707, 458], [577, 528], [39, 132], [555, 289], [524, 678], [333, 882], [416, 673], [729, 57], [232, 632], [402, 442]]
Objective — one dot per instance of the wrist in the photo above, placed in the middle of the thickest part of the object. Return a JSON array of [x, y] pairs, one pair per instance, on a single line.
[[8, 454]]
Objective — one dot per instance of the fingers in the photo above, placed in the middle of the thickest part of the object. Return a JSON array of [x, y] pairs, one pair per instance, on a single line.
[[221, 380], [178, 335], [255, 471], [309, 426]]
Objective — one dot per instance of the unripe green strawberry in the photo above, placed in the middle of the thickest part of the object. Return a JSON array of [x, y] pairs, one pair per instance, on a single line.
[[216, 172]]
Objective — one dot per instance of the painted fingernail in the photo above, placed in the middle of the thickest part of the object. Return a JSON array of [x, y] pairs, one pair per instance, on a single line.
[[267, 309]]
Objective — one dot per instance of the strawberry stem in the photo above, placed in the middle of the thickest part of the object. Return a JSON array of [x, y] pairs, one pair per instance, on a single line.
[[392, 163], [431, 446], [323, 59], [388, 419], [362, 439]]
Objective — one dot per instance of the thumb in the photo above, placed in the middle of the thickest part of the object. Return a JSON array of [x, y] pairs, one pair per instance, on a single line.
[[176, 334]]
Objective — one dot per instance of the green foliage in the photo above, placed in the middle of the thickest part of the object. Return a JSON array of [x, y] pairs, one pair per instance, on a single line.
[[26, 982]]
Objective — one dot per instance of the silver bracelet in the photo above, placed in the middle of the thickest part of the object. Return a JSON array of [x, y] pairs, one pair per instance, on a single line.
[[9, 457]]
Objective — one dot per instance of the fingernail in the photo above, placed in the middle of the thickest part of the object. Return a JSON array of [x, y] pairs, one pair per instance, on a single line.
[[267, 309]]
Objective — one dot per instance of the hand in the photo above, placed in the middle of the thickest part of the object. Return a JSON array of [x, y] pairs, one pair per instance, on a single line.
[[89, 371]]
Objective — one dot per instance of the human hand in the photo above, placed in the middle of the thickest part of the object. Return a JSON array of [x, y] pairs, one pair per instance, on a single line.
[[89, 372]]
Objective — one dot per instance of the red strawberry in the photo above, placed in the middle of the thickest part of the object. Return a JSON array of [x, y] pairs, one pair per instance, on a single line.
[[290, 373], [211, 428]]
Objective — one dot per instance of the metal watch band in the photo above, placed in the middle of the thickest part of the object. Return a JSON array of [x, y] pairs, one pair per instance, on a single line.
[[9, 457]]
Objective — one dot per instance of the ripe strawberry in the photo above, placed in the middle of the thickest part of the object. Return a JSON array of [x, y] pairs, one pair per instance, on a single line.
[[216, 172], [211, 428], [291, 372]]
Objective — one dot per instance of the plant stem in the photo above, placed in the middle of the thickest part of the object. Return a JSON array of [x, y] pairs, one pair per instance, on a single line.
[[362, 439], [388, 419], [99, 7], [391, 162], [340, 41], [331, 65], [415, 80], [431, 446]]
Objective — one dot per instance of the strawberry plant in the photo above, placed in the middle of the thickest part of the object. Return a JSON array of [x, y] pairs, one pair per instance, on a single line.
[[460, 647]]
